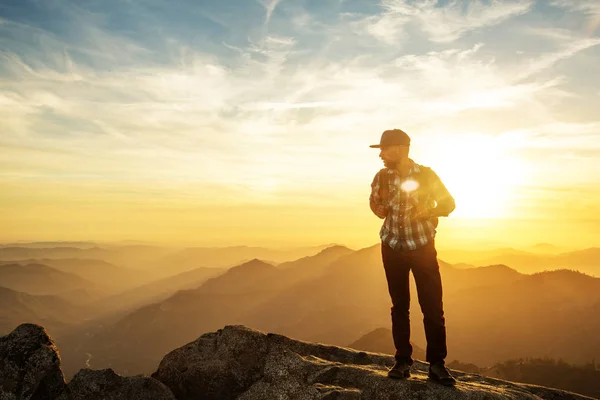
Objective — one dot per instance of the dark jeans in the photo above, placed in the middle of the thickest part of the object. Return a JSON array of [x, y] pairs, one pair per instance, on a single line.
[[426, 270]]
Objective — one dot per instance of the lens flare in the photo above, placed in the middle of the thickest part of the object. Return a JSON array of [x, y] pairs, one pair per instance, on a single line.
[[409, 185]]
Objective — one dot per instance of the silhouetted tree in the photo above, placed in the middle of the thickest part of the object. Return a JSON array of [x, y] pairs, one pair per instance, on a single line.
[[584, 379]]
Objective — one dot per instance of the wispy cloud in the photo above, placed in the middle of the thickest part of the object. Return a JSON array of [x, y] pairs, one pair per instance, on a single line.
[[588, 7], [121, 106], [546, 61], [441, 22], [269, 6]]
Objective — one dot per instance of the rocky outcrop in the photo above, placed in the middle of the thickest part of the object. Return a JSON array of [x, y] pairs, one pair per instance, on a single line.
[[30, 370], [237, 362], [241, 363], [29, 365], [106, 384]]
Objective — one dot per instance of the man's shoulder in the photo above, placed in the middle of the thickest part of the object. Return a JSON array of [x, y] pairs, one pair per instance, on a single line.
[[420, 168], [424, 172], [383, 176], [384, 171], [377, 176]]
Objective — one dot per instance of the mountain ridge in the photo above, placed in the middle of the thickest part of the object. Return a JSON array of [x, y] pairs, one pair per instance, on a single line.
[[40, 279]]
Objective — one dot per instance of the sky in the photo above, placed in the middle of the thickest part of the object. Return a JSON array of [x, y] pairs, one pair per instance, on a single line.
[[249, 122]]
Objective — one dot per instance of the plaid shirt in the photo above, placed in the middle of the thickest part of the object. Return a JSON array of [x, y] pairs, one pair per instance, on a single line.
[[402, 228]]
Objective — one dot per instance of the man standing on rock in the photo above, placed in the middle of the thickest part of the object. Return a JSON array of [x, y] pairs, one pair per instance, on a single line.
[[410, 197]]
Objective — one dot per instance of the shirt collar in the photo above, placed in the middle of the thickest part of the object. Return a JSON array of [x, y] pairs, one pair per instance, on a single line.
[[414, 167]]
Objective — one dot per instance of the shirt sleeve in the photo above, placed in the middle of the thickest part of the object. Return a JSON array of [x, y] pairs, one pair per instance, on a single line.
[[374, 198], [444, 202]]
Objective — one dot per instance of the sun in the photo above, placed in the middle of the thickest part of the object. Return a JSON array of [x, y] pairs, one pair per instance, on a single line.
[[481, 174]]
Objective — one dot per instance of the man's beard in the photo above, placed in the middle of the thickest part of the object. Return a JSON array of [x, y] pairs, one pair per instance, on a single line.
[[390, 164]]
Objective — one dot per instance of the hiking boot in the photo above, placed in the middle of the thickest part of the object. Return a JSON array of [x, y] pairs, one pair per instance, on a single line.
[[439, 373], [400, 370]]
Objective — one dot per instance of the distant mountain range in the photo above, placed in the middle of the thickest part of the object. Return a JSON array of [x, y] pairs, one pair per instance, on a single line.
[[157, 290], [493, 313], [334, 295], [194, 257], [54, 311], [132, 256], [586, 261], [110, 276], [51, 244], [220, 300], [157, 261], [39, 279]]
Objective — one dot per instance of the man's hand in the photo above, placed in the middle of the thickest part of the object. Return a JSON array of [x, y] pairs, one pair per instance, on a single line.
[[419, 211], [381, 211]]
